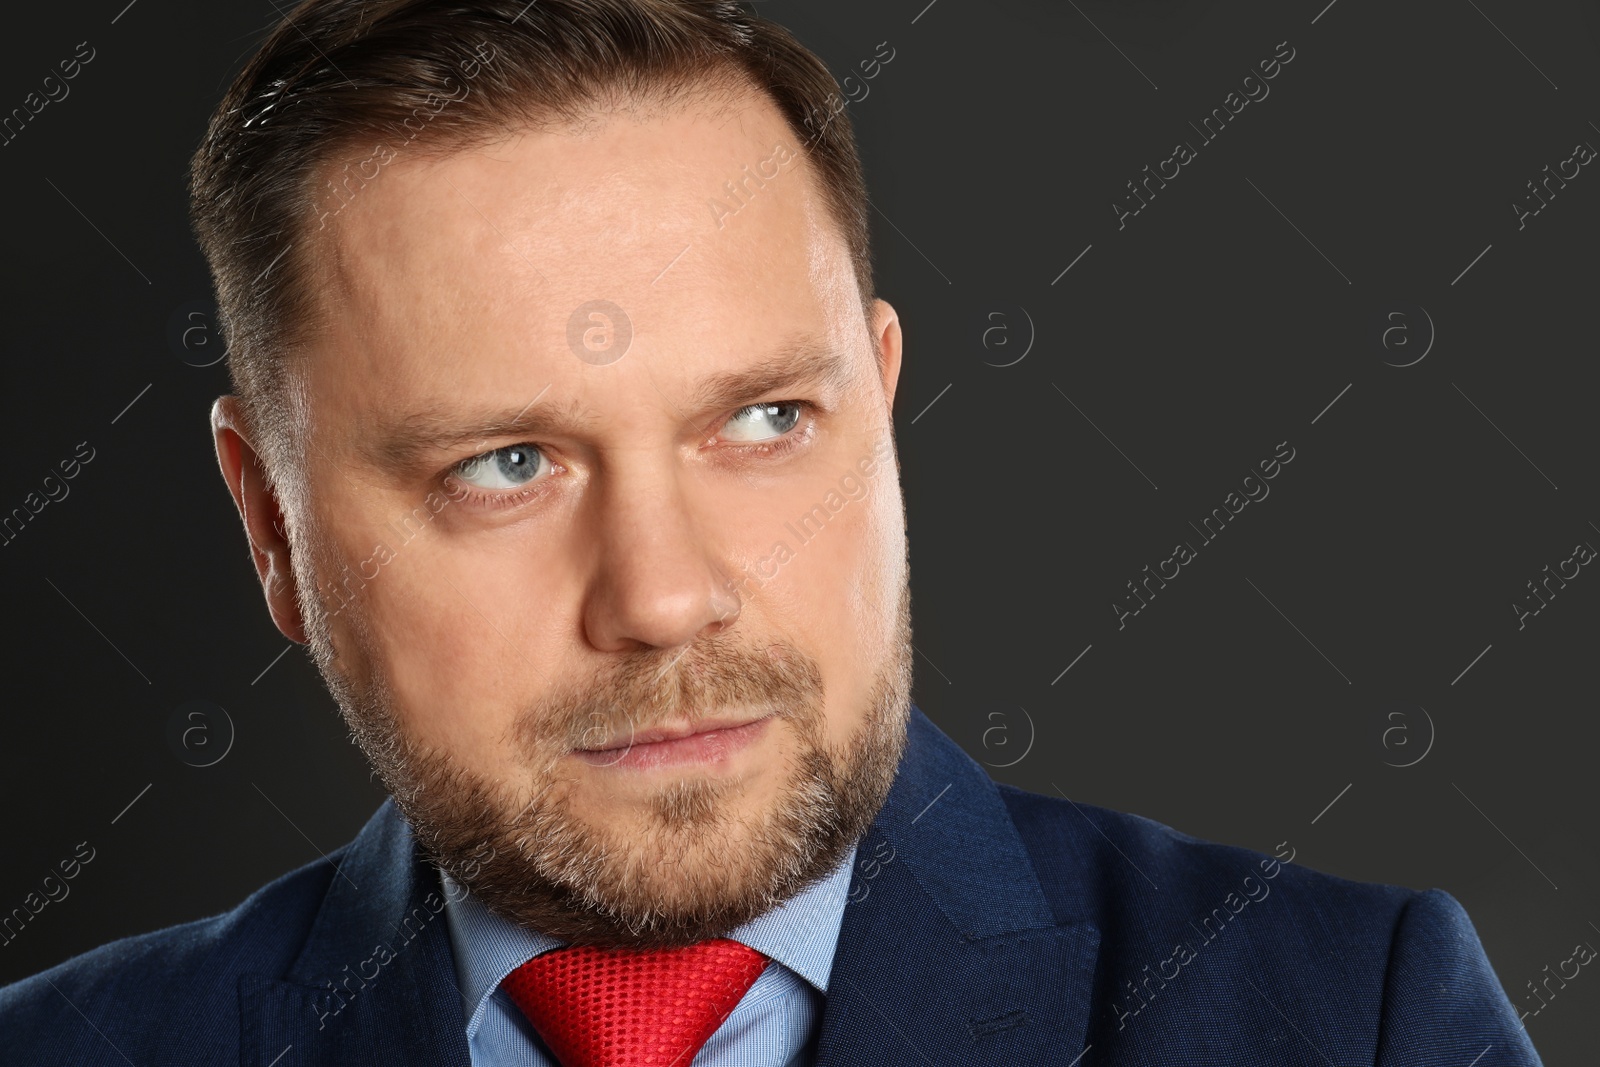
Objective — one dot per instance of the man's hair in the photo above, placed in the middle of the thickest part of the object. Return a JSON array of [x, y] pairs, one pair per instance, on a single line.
[[369, 81]]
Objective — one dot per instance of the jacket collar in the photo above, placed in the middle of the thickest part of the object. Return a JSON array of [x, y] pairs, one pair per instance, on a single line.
[[947, 943], [375, 982], [948, 948]]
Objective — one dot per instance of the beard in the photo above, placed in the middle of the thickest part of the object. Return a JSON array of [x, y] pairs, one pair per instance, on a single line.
[[692, 865]]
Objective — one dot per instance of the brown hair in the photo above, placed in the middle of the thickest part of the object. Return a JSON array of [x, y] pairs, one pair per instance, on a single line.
[[336, 74]]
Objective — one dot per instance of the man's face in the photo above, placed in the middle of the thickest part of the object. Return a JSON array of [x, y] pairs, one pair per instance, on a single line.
[[532, 537]]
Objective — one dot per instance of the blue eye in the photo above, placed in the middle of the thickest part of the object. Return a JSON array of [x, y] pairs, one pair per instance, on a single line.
[[776, 419], [505, 468]]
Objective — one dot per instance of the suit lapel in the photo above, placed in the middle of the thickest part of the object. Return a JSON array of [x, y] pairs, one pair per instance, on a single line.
[[948, 949], [376, 982]]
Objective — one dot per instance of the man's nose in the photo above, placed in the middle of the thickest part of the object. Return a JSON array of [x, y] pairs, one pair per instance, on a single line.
[[659, 577]]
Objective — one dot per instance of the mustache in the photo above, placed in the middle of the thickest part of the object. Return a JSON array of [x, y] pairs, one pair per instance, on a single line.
[[657, 687]]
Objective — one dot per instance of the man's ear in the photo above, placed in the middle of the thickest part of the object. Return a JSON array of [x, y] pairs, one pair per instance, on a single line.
[[887, 340], [258, 506]]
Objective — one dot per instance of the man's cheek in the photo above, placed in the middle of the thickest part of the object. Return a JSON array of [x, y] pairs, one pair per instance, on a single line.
[[470, 634], [436, 652]]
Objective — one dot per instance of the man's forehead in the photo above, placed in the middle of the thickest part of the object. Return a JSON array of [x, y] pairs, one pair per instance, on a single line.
[[491, 252], [579, 203]]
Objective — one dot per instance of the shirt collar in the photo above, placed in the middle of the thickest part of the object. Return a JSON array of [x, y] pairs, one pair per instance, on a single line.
[[800, 933]]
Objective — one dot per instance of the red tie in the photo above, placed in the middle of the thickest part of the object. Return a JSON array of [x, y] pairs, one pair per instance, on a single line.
[[624, 1007]]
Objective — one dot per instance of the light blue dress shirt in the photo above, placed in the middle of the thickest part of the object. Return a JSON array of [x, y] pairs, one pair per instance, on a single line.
[[774, 1025]]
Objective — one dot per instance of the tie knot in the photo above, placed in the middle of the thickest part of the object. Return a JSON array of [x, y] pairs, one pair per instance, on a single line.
[[626, 1007]]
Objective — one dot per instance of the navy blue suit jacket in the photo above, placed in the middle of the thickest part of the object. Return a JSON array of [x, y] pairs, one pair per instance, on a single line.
[[987, 925]]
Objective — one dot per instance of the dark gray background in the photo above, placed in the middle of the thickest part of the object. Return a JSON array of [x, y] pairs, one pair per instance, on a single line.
[[1253, 701]]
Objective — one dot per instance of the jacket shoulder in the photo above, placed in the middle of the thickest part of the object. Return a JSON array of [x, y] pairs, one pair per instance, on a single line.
[[1190, 928], [1192, 931], [1116, 852], [133, 995]]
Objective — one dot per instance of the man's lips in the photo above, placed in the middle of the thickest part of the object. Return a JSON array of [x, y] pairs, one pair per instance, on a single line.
[[706, 742], [673, 733]]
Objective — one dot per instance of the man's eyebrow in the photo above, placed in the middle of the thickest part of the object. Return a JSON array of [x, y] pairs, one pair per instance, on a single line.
[[802, 360], [403, 443], [411, 439]]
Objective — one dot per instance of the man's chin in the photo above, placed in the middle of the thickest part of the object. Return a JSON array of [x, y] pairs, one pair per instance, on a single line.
[[701, 855]]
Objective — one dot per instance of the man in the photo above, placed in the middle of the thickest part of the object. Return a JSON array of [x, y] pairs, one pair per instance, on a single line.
[[562, 437]]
